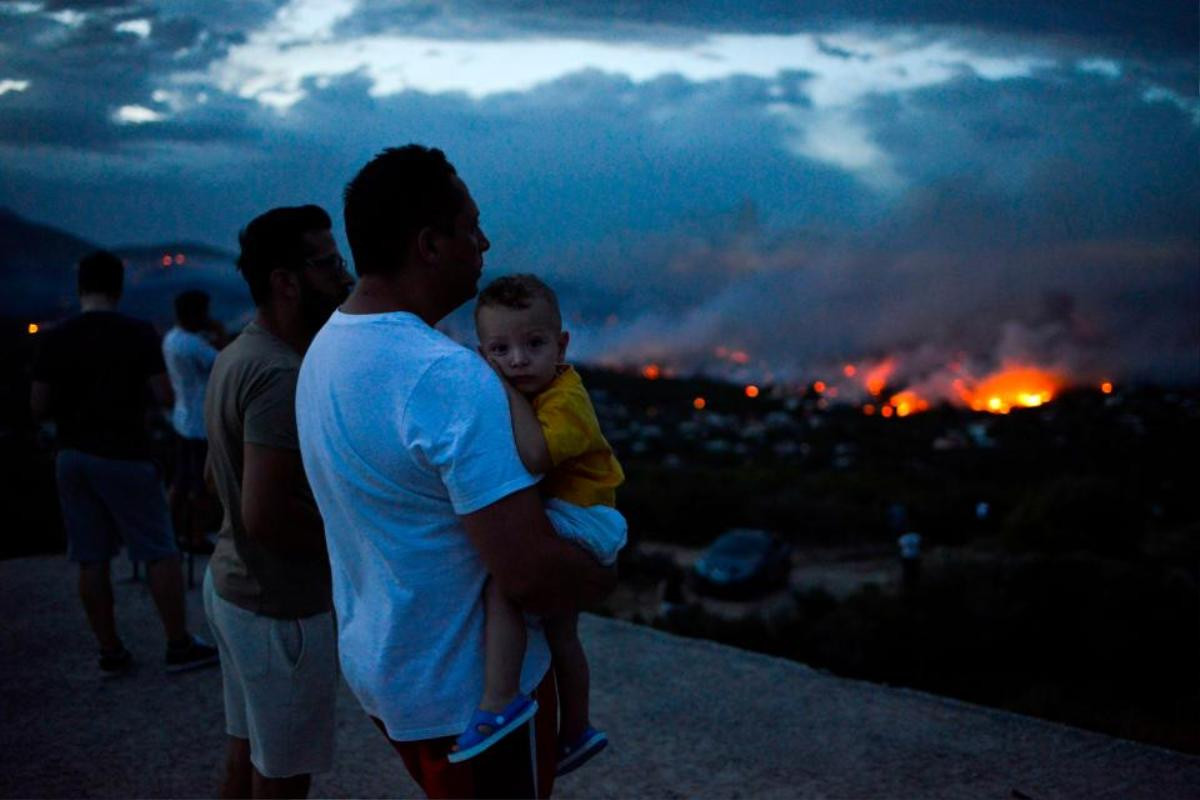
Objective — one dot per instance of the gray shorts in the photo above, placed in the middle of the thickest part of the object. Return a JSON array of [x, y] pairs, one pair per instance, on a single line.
[[109, 500], [280, 680]]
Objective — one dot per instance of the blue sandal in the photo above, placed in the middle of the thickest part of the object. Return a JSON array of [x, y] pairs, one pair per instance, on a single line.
[[472, 742], [573, 755]]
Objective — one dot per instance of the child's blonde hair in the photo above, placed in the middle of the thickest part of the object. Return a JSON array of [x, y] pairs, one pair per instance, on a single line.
[[517, 291]]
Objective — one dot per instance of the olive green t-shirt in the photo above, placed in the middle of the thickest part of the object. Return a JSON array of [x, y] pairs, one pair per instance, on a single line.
[[251, 398]]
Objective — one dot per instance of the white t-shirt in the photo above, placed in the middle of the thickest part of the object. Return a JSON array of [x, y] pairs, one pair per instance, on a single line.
[[402, 430], [189, 359]]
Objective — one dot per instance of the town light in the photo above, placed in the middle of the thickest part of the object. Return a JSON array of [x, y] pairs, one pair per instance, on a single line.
[[33, 328]]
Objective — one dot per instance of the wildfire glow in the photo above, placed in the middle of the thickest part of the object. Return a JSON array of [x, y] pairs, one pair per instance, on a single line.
[[739, 357], [849, 370], [819, 387], [876, 377], [887, 411], [651, 372], [1011, 387], [751, 390], [699, 404], [869, 409], [1106, 387], [908, 402]]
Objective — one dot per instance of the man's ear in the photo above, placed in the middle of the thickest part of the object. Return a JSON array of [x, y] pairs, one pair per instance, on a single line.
[[564, 339], [284, 283], [426, 244]]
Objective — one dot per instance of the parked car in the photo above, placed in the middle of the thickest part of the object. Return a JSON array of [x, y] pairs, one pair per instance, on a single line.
[[743, 562]]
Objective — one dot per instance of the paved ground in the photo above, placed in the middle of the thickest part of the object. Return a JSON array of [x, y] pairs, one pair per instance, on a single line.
[[688, 719]]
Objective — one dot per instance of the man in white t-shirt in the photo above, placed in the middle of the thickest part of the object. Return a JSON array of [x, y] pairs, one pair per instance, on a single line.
[[189, 356], [407, 443]]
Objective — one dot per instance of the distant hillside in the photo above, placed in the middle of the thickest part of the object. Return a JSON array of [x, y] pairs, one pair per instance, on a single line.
[[37, 271], [37, 266]]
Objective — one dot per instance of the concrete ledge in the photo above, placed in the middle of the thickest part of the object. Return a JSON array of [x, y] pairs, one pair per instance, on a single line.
[[688, 718]]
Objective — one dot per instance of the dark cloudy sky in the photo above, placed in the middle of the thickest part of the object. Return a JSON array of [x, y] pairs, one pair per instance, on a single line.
[[992, 180]]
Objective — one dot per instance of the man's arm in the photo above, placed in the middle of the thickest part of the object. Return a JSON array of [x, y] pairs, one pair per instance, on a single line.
[[39, 401], [275, 515], [535, 567]]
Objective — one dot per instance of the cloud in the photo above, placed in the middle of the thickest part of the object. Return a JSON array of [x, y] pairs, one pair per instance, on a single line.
[[137, 115], [68, 17], [300, 46], [20, 8], [1100, 66], [138, 27], [1188, 105], [9, 85], [808, 185], [1120, 28]]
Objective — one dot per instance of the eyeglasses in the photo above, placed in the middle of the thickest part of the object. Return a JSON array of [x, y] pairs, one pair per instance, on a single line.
[[333, 263]]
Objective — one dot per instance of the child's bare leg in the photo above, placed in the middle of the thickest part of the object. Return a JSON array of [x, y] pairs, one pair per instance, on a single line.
[[571, 672], [504, 647]]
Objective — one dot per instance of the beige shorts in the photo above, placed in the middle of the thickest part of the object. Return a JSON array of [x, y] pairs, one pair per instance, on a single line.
[[280, 681]]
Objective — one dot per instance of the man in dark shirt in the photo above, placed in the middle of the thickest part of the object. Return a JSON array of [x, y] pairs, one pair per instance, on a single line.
[[92, 377]]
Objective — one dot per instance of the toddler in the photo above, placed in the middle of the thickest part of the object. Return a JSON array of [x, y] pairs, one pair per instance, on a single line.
[[557, 435]]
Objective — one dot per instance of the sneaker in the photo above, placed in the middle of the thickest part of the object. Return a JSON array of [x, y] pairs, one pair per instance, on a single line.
[[114, 663], [193, 654]]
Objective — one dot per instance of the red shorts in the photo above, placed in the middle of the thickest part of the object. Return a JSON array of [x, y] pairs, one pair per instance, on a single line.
[[509, 768]]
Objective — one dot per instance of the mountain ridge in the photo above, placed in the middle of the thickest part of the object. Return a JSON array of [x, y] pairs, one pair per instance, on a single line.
[[38, 263]]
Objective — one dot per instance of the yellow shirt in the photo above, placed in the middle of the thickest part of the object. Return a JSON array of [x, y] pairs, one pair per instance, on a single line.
[[585, 471]]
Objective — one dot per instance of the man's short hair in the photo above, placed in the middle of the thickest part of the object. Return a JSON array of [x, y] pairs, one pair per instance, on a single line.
[[191, 309], [101, 272], [275, 240], [518, 291], [392, 198]]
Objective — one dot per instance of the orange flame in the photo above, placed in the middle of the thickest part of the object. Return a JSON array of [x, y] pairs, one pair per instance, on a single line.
[[819, 387], [908, 402], [651, 372], [1106, 387], [877, 376], [751, 390], [33, 327], [699, 404], [1012, 387]]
